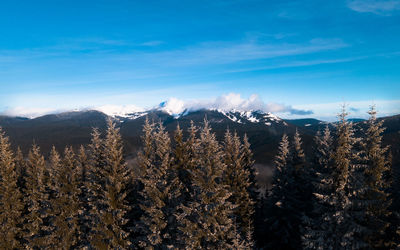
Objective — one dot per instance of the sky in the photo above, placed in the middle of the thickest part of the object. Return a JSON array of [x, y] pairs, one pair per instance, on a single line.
[[294, 58]]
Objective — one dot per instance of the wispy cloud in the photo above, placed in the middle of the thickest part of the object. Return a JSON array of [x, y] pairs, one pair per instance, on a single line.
[[379, 7], [97, 40], [87, 51], [230, 52], [294, 64], [151, 43], [298, 64]]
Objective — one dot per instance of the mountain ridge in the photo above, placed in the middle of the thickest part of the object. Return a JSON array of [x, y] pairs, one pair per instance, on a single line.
[[263, 129]]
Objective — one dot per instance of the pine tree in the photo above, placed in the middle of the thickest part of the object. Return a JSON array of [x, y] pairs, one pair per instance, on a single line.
[[302, 172], [318, 234], [355, 208], [377, 167], [298, 156], [160, 188], [95, 189], [248, 163], [64, 206], [303, 180], [284, 214], [11, 205], [20, 168], [182, 159], [84, 220], [176, 190], [36, 200], [96, 164], [346, 228], [55, 162], [237, 178], [110, 228], [187, 159], [54, 165], [152, 220], [206, 220]]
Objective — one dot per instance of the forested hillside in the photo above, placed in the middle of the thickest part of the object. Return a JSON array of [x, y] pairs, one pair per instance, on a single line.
[[191, 189]]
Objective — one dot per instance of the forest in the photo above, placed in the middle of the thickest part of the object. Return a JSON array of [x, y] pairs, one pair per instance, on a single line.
[[187, 190]]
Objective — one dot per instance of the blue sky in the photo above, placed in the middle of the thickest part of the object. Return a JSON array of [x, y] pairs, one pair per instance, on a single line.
[[304, 55]]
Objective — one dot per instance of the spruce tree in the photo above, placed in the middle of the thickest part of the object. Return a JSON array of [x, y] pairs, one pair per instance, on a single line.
[[95, 189], [347, 229], [298, 156], [248, 163], [302, 172], [185, 161], [283, 209], [182, 159], [237, 178], [96, 164], [206, 222], [176, 190], [355, 226], [303, 180], [111, 232], [20, 167], [318, 233], [376, 181], [152, 220], [160, 188], [36, 200], [64, 206], [11, 205], [54, 165], [186, 154], [84, 220]]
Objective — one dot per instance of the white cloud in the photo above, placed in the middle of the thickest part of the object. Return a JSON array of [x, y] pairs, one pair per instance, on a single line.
[[30, 112], [379, 7], [174, 106], [232, 101]]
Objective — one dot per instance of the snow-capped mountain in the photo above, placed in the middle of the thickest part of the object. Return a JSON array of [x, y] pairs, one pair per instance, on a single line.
[[263, 129], [252, 116], [122, 113], [175, 108]]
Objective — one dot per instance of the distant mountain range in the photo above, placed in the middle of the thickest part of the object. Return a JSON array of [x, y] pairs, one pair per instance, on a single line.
[[263, 129]]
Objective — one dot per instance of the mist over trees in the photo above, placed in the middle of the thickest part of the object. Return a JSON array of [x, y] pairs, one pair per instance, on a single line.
[[187, 190]]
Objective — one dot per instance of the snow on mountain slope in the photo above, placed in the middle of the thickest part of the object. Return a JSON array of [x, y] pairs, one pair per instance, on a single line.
[[130, 112], [252, 116], [176, 108]]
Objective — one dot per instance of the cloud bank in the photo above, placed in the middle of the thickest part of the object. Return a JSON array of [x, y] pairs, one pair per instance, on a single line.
[[29, 112], [232, 101], [174, 106]]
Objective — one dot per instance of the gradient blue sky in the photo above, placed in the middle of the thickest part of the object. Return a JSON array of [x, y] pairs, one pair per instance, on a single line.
[[309, 55]]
